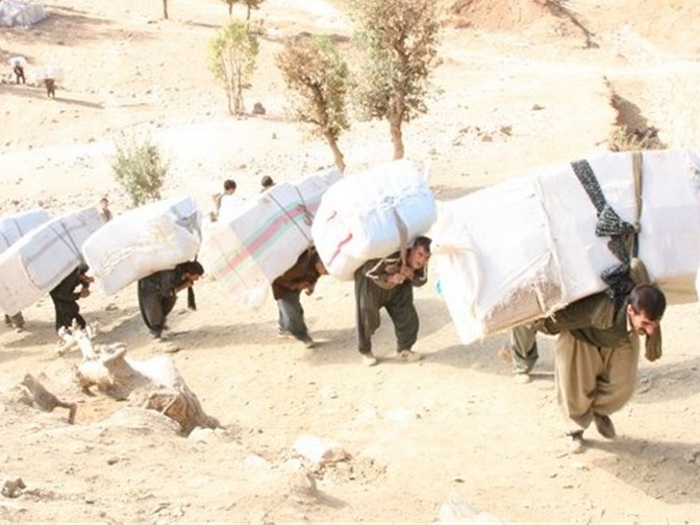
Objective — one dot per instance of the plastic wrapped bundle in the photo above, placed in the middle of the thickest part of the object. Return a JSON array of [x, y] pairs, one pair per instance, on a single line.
[[142, 241], [43, 257], [13, 227], [525, 248], [252, 247], [362, 217]]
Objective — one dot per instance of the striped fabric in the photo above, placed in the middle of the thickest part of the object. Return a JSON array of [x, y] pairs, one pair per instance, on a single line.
[[13, 227], [43, 257], [265, 238]]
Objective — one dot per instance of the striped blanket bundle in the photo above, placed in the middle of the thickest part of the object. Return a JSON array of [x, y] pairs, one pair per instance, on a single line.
[[142, 241], [362, 217], [43, 257], [527, 247], [265, 238], [13, 227]]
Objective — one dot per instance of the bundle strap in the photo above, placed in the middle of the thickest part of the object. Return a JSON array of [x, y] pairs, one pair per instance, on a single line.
[[624, 241]]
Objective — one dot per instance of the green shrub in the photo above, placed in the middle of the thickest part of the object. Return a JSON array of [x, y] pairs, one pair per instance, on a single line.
[[140, 169]]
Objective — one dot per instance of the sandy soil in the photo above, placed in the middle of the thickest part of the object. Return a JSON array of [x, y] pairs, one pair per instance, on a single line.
[[516, 90]]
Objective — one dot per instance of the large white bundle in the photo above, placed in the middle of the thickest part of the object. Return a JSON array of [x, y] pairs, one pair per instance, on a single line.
[[20, 13], [527, 247], [265, 238], [43, 257], [142, 241], [361, 217], [13, 227]]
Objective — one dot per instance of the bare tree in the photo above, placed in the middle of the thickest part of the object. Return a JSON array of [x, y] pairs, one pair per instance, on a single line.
[[165, 9], [315, 72], [232, 61], [249, 4], [400, 38]]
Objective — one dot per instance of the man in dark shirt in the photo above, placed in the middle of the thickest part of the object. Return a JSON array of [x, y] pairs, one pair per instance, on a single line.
[[286, 290], [65, 298], [157, 293], [388, 283], [596, 355]]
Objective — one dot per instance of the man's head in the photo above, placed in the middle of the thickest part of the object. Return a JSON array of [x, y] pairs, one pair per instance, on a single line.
[[191, 270], [419, 254], [645, 308], [229, 186], [104, 202], [267, 182]]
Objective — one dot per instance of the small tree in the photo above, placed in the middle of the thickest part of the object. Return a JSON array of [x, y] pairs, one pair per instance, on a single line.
[[140, 169], [400, 38], [165, 9], [314, 70], [232, 61]]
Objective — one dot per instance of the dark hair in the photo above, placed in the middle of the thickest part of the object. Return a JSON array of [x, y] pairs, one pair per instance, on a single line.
[[267, 181], [648, 298], [422, 241], [190, 267], [229, 184]]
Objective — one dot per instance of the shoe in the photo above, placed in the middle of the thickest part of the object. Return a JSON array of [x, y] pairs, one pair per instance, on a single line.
[[283, 334], [576, 444], [522, 378], [308, 342], [369, 360], [408, 356], [605, 426]]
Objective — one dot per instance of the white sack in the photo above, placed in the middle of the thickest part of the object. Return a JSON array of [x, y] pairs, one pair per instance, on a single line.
[[142, 241], [265, 237], [357, 218], [525, 248], [13, 227], [43, 257]]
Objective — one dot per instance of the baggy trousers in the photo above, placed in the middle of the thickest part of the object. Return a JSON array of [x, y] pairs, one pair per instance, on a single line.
[[398, 301], [522, 342], [155, 309], [591, 380], [291, 314]]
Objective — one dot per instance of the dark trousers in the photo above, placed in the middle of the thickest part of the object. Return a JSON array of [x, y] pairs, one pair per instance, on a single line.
[[155, 309], [370, 298], [50, 87], [291, 315], [66, 311]]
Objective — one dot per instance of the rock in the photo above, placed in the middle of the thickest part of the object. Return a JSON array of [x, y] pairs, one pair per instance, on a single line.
[[13, 488], [319, 451], [258, 109]]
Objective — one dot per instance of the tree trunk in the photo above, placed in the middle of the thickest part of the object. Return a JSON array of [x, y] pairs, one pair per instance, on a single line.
[[165, 9], [230, 9], [396, 137], [337, 154], [248, 16]]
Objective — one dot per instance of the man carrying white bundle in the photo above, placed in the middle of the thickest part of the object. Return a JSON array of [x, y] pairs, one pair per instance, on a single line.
[[388, 283]]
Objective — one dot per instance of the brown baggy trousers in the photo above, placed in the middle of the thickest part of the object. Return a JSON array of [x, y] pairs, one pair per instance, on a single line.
[[591, 380]]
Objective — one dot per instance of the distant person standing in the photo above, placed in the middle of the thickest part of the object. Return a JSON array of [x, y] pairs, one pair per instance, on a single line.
[[105, 212], [18, 70], [65, 298], [50, 84], [157, 293], [266, 183], [227, 202]]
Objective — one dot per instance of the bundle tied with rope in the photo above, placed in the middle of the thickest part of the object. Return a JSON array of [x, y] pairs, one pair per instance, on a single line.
[[624, 244]]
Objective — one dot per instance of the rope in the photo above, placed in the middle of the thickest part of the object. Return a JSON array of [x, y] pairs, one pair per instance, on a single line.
[[306, 213]]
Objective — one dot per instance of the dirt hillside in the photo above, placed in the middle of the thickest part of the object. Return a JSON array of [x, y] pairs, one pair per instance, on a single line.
[[518, 88]]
